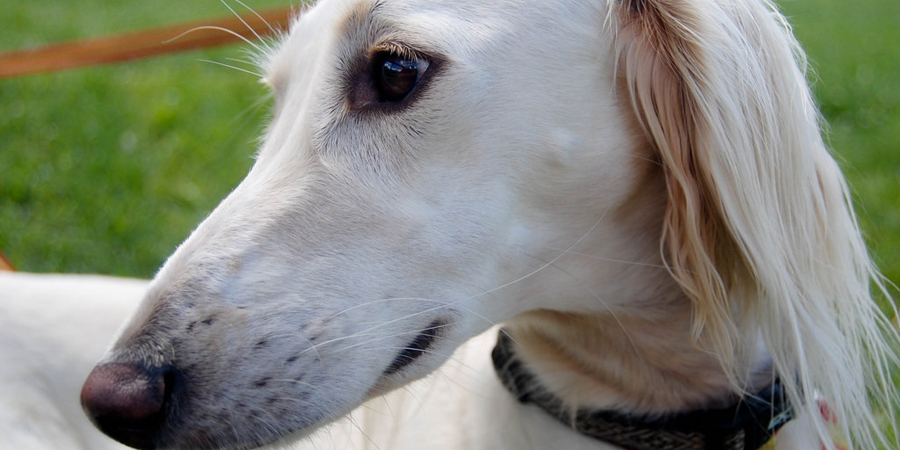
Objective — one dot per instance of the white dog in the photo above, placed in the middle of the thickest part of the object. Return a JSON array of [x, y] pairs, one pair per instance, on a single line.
[[637, 189]]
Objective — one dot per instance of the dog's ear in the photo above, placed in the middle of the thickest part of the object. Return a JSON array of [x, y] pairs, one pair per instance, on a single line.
[[665, 71], [759, 231]]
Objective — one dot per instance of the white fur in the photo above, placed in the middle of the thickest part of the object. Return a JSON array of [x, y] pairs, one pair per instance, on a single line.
[[637, 189], [53, 328]]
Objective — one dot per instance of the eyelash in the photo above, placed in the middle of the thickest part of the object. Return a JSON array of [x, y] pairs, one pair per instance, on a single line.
[[395, 75], [388, 77]]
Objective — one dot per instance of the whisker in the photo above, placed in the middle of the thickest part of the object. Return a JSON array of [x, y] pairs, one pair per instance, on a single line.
[[391, 412], [253, 107], [609, 309], [557, 258], [621, 261], [230, 67], [441, 354], [444, 302], [258, 37], [363, 334], [381, 338], [353, 421], [377, 325], [415, 397], [242, 61], [274, 32], [454, 382], [213, 27], [372, 409], [487, 292]]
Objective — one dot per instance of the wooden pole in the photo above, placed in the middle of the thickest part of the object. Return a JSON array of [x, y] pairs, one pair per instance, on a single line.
[[5, 265], [142, 44]]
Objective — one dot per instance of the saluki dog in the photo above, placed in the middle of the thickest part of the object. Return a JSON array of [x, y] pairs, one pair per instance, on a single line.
[[637, 190]]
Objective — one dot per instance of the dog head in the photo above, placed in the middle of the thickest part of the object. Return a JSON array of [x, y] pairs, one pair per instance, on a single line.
[[430, 169], [416, 169]]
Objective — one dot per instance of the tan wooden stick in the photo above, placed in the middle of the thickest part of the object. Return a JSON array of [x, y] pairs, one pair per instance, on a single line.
[[5, 265], [141, 44]]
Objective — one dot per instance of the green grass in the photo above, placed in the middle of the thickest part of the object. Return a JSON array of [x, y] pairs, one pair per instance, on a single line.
[[853, 47], [106, 170]]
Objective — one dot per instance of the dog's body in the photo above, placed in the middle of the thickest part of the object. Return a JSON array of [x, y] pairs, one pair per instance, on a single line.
[[637, 189], [52, 328]]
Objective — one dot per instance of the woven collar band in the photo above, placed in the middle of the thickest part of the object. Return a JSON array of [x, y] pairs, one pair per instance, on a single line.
[[747, 425]]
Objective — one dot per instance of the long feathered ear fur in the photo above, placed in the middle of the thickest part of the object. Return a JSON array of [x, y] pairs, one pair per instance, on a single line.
[[759, 230]]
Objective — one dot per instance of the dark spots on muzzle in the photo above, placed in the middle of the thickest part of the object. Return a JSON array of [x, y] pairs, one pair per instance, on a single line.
[[416, 348]]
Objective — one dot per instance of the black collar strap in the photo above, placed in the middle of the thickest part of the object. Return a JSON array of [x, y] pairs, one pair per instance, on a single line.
[[745, 426]]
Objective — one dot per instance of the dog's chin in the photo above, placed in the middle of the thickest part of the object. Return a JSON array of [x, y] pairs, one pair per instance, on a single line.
[[251, 434], [418, 358], [290, 436]]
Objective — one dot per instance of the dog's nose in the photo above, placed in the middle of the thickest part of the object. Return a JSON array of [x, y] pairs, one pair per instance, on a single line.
[[127, 401]]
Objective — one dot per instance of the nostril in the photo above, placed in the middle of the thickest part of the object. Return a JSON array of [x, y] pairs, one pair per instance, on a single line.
[[127, 401]]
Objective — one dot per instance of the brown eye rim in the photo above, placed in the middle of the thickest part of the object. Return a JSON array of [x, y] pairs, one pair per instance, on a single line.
[[395, 74], [364, 96]]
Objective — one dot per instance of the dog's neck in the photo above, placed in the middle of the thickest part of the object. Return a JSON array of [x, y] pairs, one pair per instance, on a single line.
[[630, 364], [637, 353]]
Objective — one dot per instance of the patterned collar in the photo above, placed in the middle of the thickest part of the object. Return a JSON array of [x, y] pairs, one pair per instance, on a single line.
[[748, 425]]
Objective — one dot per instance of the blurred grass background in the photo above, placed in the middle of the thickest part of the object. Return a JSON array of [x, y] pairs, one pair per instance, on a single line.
[[854, 48], [106, 170]]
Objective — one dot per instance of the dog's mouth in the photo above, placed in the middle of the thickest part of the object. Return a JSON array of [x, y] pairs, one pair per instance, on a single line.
[[416, 348]]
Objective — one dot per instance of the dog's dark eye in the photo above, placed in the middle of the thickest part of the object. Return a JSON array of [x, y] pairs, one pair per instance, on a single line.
[[396, 76]]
